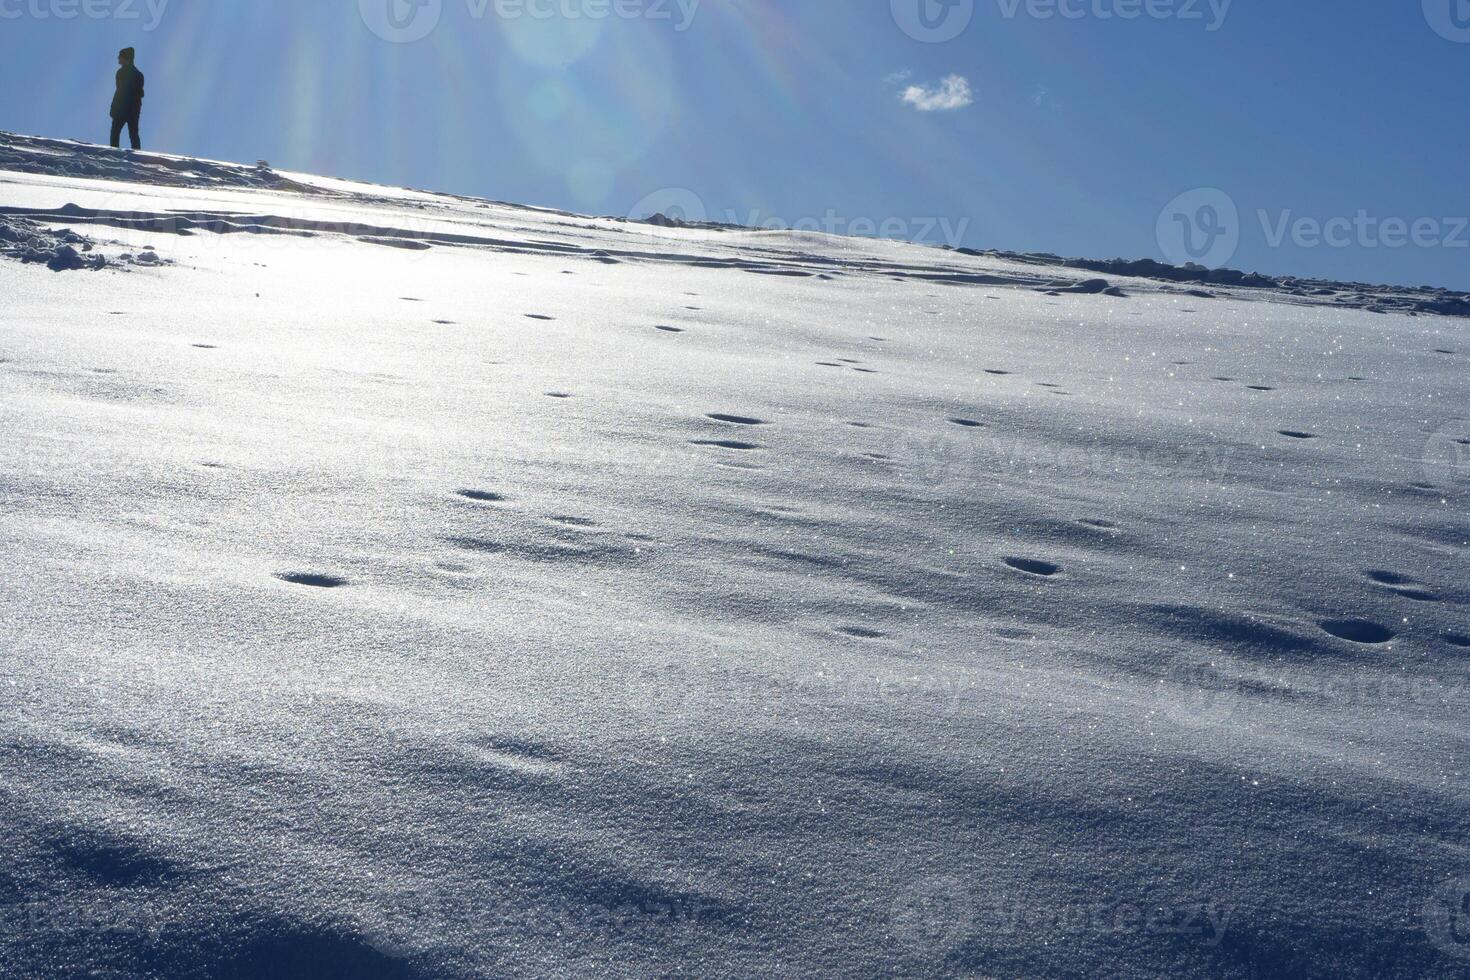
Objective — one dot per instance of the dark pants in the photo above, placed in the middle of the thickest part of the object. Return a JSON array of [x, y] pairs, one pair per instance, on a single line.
[[132, 124]]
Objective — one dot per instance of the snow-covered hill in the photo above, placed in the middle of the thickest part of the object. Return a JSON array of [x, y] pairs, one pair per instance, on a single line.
[[404, 585]]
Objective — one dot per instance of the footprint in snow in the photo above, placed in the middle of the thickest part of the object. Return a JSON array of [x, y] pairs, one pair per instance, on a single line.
[[312, 580], [483, 496], [1362, 631], [1033, 566], [1402, 585], [725, 444]]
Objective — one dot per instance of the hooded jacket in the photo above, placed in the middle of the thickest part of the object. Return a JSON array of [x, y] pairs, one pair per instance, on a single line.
[[127, 102]]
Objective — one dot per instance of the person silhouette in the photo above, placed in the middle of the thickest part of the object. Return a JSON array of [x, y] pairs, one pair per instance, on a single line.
[[127, 101]]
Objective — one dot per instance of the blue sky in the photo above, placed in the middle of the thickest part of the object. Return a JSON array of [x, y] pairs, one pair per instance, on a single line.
[[1057, 125]]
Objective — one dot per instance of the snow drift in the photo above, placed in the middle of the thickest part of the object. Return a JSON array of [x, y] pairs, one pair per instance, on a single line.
[[405, 585]]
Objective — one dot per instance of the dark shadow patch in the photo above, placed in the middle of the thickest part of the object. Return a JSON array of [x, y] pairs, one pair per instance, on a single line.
[[558, 394], [725, 444], [1034, 566], [668, 329], [313, 580], [1458, 640], [735, 419], [113, 861], [1389, 578], [967, 423], [1295, 434], [483, 496], [289, 952], [1361, 631], [862, 632], [539, 316]]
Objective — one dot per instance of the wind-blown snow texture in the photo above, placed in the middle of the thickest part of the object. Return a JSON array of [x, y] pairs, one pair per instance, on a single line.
[[401, 585]]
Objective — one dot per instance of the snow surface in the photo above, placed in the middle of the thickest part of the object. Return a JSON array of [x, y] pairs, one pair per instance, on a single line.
[[403, 585]]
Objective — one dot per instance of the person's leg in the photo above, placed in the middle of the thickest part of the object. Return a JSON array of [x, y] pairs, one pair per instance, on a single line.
[[117, 125], [133, 132]]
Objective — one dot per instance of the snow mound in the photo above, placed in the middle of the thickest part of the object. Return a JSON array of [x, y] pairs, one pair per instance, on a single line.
[[408, 585]]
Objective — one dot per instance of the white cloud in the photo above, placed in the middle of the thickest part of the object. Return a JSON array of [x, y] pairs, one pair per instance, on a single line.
[[950, 94]]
